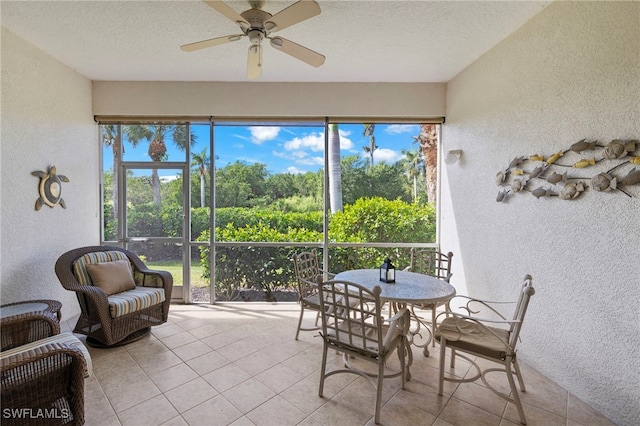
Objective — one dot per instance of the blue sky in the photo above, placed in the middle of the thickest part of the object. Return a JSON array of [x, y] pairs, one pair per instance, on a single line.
[[285, 149]]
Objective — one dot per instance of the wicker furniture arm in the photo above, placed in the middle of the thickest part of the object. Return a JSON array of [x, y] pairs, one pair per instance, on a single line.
[[95, 319], [44, 386], [27, 327]]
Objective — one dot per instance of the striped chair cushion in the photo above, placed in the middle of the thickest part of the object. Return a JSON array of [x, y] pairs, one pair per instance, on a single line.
[[134, 300], [67, 339], [80, 269]]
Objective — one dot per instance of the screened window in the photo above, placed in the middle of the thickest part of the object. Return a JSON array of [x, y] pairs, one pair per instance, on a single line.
[[224, 205]]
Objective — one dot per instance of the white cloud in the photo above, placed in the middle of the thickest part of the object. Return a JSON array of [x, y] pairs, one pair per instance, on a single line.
[[300, 149], [345, 142], [311, 161], [294, 170], [260, 134], [385, 155], [395, 129], [299, 157], [314, 141], [166, 179]]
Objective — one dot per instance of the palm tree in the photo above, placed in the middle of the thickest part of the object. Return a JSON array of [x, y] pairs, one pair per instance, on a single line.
[[335, 174], [111, 137], [201, 161], [156, 134], [428, 140], [368, 131], [414, 164]]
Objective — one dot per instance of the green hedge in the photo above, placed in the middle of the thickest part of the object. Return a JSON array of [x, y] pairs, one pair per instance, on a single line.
[[271, 268]]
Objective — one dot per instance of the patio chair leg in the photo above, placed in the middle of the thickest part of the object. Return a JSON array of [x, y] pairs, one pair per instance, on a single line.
[[379, 391], [514, 390], [516, 367], [300, 321], [323, 369], [443, 351], [403, 351], [433, 326]]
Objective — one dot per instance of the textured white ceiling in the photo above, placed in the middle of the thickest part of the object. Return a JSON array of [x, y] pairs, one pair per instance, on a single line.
[[363, 40]]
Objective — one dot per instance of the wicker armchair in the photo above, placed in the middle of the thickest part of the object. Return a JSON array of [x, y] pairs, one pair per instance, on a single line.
[[114, 318], [42, 380], [24, 328]]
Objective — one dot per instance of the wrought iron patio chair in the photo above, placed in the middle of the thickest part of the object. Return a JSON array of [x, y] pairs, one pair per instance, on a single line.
[[307, 270], [436, 264], [491, 339], [353, 324]]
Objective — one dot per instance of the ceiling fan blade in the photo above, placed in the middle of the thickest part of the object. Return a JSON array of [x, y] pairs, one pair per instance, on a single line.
[[254, 61], [210, 42], [297, 12], [227, 11], [299, 52]]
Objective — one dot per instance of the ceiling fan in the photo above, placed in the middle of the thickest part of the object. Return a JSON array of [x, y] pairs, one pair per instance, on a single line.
[[256, 24]]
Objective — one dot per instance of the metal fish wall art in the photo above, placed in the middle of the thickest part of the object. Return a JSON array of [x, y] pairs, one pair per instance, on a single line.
[[582, 146], [617, 149], [556, 177], [571, 190], [632, 178], [585, 162], [561, 174]]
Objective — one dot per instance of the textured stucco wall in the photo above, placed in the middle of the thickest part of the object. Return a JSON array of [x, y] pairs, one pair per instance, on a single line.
[[572, 72], [46, 120]]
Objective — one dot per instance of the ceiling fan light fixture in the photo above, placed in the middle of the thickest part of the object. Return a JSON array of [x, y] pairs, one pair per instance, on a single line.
[[270, 26], [276, 42], [234, 38], [255, 36]]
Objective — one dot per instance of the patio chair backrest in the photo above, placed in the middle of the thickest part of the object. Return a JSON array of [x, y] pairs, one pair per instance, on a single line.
[[307, 270], [431, 262], [80, 265], [520, 311], [351, 317]]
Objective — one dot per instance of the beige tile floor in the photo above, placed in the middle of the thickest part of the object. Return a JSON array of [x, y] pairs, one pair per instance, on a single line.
[[238, 364]]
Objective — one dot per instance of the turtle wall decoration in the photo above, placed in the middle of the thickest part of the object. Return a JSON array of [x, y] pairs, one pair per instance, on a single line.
[[50, 188], [614, 164]]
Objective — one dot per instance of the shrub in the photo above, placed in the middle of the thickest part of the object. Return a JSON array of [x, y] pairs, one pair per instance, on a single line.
[[379, 220], [270, 268], [259, 267]]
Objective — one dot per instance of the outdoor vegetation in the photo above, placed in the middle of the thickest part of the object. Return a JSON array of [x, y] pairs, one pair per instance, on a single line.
[[378, 202]]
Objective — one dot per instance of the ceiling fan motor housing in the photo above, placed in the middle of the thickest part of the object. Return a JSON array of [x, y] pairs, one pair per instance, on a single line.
[[256, 18]]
